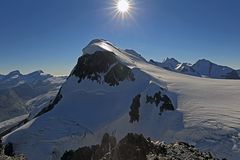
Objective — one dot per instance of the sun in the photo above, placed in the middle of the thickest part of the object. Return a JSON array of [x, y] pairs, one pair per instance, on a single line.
[[122, 9], [123, 6]]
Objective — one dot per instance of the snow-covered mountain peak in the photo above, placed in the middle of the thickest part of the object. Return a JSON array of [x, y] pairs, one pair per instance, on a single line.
[[102, 66], [208, 69], [186, 68], [203, 62], [170, 63], [98, 45], [202, 68], [14, 73], [170, 60], [96, 41], [112, 91], [106, 86], [20, 93], [12, 76], [16, 78], [38, 73]]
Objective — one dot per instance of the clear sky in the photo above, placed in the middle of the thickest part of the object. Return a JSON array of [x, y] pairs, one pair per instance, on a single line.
[[50, 34]]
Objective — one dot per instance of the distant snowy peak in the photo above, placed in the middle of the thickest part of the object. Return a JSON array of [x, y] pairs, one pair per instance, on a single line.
[[16, 78], [170, 63], [39, 72], [16, 72], [208, 69], [22, 93], [202, 68], [13, 74], [36, 76], [186, 68]]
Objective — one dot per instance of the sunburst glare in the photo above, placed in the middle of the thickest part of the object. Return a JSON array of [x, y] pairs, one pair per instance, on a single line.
[[123, 8]]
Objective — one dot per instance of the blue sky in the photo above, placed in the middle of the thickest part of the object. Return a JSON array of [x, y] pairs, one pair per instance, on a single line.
[[50, 34]]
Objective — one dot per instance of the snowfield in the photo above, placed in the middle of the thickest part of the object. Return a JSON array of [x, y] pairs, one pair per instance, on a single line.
[[207, 111], [210, 110]]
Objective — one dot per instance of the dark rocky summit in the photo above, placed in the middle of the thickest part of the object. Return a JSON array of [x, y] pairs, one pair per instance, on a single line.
[[91, 66]]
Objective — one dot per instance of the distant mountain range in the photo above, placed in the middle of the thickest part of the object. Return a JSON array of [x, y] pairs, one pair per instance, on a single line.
[[20, 94], [202, 68]]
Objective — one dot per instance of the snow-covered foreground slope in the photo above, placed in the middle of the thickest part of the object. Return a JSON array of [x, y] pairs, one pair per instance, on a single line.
[[100, 97], [210, 110]]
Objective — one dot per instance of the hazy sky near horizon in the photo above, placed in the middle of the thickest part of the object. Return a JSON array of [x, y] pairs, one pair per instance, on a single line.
[[50, 34]]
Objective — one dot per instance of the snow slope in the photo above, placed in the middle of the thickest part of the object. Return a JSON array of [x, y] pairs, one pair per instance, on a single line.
[[206, 110]]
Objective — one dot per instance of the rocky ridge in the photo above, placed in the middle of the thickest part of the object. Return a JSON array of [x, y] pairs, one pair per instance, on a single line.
[[137, 147]]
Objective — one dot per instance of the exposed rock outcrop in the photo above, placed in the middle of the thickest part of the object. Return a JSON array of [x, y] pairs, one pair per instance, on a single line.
[[93, 66], [137, 147]]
